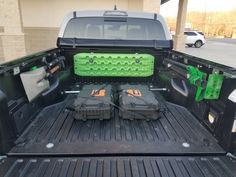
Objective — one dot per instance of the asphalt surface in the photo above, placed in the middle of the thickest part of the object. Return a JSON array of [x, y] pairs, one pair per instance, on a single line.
[[221, 51]]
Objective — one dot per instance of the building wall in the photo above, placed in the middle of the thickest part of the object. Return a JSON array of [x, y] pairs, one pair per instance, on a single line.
[[49, 13], [36, 39], [1, 14], [1, 31], [1, 49], [40, 38]]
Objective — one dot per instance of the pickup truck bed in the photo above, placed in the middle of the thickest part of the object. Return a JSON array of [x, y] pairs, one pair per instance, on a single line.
[[195, 135], [175, 128]]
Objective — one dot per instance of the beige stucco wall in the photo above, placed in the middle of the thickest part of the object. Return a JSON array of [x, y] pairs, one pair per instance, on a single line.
[[49, 13], [152, 6], [1, 31], [36, 39], [40, 38], [1, 13], [1, 51]]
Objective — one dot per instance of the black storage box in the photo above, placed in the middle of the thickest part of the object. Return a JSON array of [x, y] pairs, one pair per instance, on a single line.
[[94, 102], [137, 102]]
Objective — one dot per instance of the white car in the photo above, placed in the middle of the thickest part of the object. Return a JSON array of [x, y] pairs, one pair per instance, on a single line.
[[194, 38]]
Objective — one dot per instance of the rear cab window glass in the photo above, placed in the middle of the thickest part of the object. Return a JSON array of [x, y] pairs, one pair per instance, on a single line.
[[190, 33], [126, 29], [201, 33]]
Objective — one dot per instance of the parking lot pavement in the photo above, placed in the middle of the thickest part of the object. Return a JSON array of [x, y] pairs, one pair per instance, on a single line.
[[218, 50]]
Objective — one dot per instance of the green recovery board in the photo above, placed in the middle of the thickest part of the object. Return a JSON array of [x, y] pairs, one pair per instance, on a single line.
[[110, 65]]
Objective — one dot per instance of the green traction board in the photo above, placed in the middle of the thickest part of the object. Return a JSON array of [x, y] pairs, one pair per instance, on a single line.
[[107, 64]]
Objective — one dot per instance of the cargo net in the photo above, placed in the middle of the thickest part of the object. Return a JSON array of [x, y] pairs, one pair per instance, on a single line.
[[101, 101], [113, 65]]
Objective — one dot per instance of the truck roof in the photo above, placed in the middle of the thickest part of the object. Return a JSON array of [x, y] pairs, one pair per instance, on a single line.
[[113, 13]]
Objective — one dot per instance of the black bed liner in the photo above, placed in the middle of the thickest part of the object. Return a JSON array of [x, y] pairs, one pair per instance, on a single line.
[[119, 167], [167, 135]]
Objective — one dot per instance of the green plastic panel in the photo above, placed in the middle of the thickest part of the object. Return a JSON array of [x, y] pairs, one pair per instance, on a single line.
[[213, 87], [110, 65], [206, 88]]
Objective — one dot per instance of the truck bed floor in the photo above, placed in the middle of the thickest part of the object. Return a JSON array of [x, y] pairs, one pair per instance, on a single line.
[[55, 131]]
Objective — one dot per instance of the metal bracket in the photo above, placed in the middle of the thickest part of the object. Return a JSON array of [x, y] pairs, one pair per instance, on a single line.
[[3, 157]]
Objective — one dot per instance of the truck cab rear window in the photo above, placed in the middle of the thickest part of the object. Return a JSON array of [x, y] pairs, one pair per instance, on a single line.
[[128, 29]]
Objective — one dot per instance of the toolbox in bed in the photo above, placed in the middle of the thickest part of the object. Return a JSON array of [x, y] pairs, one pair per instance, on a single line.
[[94, 102], [137, 102]]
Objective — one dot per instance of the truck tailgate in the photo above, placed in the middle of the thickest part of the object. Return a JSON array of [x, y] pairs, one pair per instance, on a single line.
[[176, 166]]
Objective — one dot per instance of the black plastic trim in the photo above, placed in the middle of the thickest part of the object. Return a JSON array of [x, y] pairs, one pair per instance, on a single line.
[[74, 14], [70, 42], [155, 16]]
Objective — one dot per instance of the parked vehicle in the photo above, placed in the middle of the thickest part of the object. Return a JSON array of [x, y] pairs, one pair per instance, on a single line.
[[195, 38], [114, 99], [199, 32]]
